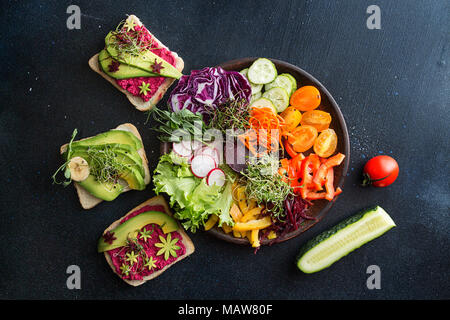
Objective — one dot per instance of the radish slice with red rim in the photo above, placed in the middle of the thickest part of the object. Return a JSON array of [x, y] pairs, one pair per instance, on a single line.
[[180, 150], [212, 152], [216, 176], [202, 164], [191, 144]]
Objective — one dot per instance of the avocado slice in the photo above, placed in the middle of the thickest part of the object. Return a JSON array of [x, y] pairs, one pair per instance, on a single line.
[[125, 154], [104, 191], [130, 173], [125, 71], [111, 136], [134, 179], [143, 61], [120, 234]]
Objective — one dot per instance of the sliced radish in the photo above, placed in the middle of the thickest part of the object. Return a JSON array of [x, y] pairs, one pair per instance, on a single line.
[[212, 152], [216, 176], [180, 150], [195, 145], [201, 165], [191, 144]]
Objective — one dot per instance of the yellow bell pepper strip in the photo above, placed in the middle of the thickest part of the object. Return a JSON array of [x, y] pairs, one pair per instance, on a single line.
[[253, 224], [255, 238], [237, 234], [211, 222], [226, 228], [272, 235], [251, 214], [235, 213], [252, 204]]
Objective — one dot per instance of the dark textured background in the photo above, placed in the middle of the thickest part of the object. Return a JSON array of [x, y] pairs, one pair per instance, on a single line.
[[391, 84]]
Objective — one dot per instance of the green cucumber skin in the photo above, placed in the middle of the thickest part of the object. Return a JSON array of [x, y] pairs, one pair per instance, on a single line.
[[329, 233]]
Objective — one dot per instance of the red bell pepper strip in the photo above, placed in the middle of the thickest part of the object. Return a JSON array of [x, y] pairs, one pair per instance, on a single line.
[[296, 162], [289, 149], [329, 187], [320, 175], [315, 195]]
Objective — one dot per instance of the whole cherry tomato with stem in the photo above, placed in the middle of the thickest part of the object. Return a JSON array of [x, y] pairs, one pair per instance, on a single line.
[[380, 171]]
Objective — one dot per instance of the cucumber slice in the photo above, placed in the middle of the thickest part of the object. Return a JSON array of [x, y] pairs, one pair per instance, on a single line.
[[279, 96], [244, 71], [330, 246], [256, 96], [262, 71], [281, 81], [293, 80], [263, 103], [255, 87]]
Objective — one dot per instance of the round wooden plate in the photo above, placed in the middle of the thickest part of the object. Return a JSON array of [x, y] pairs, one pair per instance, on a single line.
[[328, 104]]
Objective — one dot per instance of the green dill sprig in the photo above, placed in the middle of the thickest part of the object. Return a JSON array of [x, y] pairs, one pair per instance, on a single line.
[[176, 126], [265, 185]]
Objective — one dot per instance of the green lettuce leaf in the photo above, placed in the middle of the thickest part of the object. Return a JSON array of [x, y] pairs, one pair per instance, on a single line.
[[191, 198]]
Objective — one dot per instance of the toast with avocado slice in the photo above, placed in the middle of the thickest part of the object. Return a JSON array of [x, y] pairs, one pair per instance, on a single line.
[[99, 62], [154, 202], [138, 178]]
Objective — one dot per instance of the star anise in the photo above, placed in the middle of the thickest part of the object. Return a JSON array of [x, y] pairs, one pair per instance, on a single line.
[[108, 237], [114, 66], [157, 66]]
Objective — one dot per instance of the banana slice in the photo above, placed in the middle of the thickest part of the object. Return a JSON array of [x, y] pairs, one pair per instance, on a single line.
[[79, 169]]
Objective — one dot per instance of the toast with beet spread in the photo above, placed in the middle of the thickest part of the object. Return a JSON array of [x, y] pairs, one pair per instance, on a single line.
[[142, 103], [87, 200], [183, 241]]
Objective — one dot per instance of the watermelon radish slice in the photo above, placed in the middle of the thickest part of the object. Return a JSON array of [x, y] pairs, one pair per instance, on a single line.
[[202, 164], [180, 150], [216, 176]]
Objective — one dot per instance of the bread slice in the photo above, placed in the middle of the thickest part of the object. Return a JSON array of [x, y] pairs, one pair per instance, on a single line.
[[87, 200], [135, 100], [187, 242]]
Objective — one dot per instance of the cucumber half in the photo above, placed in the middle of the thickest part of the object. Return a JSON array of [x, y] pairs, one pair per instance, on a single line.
[[262, 71], [330, 246]]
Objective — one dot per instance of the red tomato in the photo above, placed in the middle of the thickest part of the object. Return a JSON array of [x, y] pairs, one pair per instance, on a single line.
[[380, 171]]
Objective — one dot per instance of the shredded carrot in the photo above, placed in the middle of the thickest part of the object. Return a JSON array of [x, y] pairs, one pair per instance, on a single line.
[[262, 122]]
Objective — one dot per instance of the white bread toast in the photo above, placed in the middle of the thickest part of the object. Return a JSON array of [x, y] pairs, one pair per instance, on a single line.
[[87, 200], [135, 100], [158, 200]]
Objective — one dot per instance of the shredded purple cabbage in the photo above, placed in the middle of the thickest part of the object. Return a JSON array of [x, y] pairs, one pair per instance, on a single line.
[[207, 88]]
